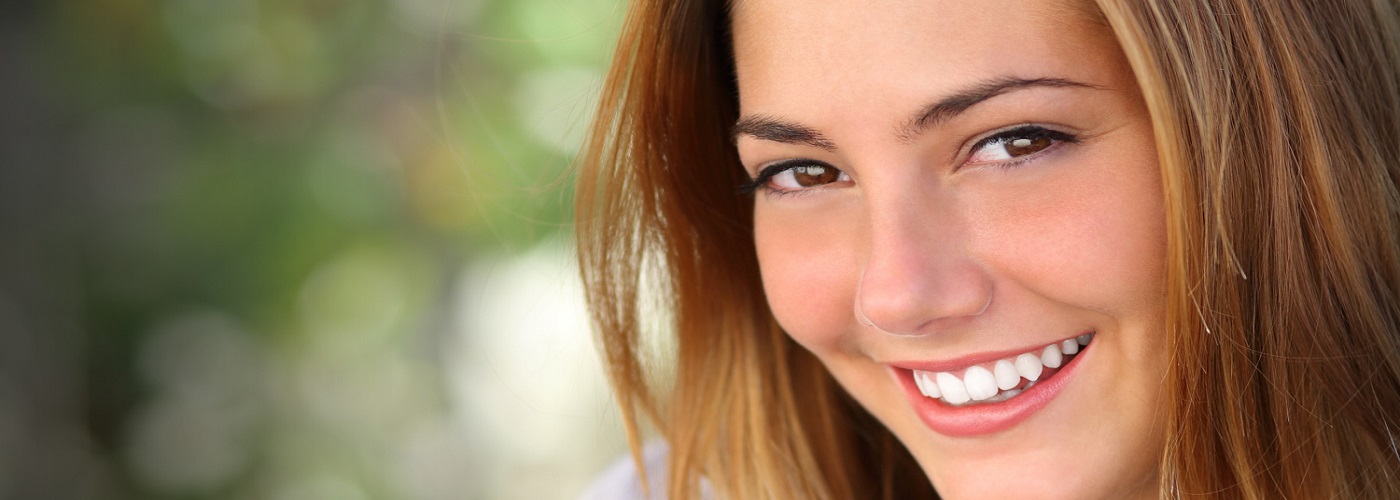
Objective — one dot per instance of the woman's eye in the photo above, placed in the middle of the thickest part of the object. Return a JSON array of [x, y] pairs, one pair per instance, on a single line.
[[805, 176], [795, 175], [1016, 143]]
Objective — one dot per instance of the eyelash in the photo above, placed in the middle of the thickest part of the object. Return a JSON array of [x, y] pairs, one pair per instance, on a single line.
[[766, 175], [1024, 132], [762, 181]]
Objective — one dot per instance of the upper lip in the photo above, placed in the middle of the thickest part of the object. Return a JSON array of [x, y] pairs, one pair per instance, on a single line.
[[958, 363]]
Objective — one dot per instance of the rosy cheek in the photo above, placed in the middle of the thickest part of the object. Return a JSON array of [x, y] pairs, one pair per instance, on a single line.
[[1090, 239], [808, 277], [1123, 242]]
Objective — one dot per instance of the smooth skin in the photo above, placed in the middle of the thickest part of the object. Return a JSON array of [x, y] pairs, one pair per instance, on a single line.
[[953, 250]]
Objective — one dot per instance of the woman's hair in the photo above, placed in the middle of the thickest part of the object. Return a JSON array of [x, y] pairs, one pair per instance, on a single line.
[[1278, 133]]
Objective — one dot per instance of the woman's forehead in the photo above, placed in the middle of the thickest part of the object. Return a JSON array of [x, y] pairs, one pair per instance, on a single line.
[[835, 16], [790, 54]]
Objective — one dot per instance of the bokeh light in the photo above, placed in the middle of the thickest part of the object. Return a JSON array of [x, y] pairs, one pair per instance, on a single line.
[[303, 249]]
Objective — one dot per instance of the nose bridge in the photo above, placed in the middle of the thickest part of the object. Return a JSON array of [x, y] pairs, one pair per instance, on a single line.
[[918, 271]]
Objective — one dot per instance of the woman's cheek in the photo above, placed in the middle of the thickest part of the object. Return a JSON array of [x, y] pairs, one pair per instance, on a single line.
[[1088, 236], [808, 270]]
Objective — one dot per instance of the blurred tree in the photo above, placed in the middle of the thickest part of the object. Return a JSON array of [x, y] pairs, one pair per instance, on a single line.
[[231, 230]]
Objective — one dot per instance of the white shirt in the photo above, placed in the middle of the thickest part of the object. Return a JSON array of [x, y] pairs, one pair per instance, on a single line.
[[620, 481]]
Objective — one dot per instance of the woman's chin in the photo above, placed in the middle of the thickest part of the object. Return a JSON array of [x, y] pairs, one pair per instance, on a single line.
[[1067, 479]]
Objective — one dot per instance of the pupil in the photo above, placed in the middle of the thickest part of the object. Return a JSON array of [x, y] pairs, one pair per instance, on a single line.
[[813, 176], [1026, 145]]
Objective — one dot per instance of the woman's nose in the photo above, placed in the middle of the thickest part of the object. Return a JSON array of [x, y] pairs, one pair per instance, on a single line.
[[919, 273]]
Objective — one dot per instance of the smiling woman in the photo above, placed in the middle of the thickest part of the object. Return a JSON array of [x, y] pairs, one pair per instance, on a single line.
[[1046, 249], [983, 214]]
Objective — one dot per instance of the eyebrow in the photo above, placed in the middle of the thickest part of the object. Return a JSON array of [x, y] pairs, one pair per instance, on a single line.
[[773, 129], [951, 106]]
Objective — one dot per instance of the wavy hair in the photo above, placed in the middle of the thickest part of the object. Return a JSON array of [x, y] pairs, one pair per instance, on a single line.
[[1278, 133]]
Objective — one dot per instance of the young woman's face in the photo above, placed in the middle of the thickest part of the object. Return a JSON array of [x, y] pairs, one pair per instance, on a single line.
[[955, 199]]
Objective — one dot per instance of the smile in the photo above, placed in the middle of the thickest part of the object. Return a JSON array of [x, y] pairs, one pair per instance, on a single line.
[[1000, 380], [988, 394]]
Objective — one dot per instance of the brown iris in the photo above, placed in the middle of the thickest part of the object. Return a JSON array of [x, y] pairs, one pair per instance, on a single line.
[[814, 175], [1026, 145]]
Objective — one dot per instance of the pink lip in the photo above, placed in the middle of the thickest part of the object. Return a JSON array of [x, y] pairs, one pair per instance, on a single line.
[[956, 364], [982, 419]]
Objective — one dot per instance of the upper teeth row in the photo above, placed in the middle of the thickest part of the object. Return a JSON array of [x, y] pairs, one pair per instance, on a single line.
[[979, 383]]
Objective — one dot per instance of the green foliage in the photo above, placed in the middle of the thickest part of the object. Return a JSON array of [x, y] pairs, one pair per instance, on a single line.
[[285, 192]]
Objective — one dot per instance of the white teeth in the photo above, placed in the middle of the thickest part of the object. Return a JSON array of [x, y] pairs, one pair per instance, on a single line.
[[1000, 382], [1007, 377], [926, 385], [954, 392], [1003, 396], [919, 381], [1029, 366], [1052, 357], [980, 383], [932, 386]]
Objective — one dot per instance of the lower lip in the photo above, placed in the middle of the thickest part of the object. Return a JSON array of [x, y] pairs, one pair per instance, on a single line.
[[987, 418]]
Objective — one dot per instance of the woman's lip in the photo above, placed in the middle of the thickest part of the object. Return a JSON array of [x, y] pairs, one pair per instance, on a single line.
[[987, 418], [955, 364]]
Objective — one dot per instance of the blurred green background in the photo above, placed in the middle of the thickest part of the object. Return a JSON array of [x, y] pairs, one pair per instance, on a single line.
[[296, 249]]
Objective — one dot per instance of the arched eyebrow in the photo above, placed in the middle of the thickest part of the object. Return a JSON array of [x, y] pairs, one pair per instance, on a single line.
[[954, 104], [773, 129]]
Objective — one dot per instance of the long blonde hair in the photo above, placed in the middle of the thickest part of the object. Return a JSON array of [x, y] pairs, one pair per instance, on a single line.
[[1278, 132]]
